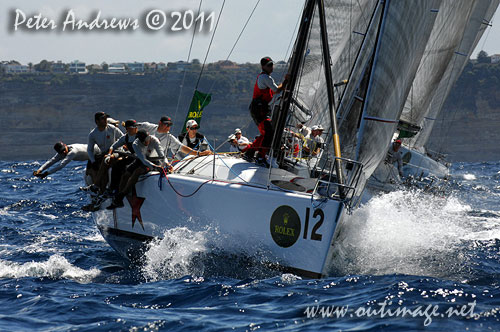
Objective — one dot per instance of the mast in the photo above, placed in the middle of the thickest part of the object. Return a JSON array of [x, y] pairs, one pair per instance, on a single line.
[[329, 84], [293, 72]]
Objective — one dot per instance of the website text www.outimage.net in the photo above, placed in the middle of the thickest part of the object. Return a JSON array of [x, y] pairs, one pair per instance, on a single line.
[[387, 310]]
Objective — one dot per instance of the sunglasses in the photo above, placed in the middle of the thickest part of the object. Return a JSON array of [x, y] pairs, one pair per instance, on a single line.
[[194, 128]]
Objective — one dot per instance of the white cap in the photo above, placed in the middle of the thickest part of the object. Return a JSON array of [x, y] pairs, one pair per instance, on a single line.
[[317, 127], [191, 123], [237, 131]]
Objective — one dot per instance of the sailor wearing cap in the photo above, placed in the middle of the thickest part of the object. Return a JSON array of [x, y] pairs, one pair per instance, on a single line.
[[265, 87], [120, 153], [143, 145], [104, 135], [167, 140], [192, 138], [65, 154], [314, 143], [238, 142]]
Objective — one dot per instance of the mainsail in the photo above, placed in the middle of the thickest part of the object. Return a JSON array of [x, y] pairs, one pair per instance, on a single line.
[[404, 31], [481, 14], [376, 46]]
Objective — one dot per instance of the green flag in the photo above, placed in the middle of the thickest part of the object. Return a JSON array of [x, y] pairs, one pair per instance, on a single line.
[[198, 103]]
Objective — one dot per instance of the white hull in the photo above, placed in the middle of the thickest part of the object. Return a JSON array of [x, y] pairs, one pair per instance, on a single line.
[[292, 229], [422, 169], [419, 165]]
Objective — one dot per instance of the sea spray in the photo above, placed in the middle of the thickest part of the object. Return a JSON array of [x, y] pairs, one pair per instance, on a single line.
[[173, 255], [404, 232]]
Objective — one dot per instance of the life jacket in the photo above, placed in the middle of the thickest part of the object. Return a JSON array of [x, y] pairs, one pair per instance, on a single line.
[[264, 94], [193, 145]]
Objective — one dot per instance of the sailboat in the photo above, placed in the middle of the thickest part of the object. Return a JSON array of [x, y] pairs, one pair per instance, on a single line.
[[457, 30], [289, 216]]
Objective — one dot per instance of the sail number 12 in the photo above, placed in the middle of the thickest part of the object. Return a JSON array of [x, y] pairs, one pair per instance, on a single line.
[[314, 233]]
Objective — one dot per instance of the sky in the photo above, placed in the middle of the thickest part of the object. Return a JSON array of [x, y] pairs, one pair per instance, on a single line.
[[269, 32]]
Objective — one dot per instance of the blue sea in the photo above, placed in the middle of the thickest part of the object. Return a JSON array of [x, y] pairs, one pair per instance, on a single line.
[[409, 262]]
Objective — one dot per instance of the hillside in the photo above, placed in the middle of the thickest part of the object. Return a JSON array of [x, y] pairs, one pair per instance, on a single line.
[[38, 110]]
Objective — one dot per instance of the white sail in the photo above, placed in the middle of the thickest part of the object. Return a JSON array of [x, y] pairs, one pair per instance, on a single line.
[[446, 36], [406, 27], [482, 13]]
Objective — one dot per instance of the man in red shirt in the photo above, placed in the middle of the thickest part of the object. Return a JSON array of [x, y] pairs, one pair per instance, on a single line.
[[264, 90]]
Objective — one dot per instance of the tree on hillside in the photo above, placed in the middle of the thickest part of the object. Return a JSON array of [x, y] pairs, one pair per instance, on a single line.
[[43, 66], [482, 57]]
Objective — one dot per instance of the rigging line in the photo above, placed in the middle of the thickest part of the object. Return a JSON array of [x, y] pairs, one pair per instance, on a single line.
[[232, 49], [242, 30], [188, 58], [488, 33], [210, 45], [292, 38], [362, 12]]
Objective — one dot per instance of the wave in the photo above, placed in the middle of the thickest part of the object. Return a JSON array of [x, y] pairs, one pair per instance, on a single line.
[[56, 267]]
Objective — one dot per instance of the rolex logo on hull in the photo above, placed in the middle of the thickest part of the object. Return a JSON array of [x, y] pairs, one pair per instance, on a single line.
[[285, 226]]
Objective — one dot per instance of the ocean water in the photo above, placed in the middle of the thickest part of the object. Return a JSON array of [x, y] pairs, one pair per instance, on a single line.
[[408, 261]]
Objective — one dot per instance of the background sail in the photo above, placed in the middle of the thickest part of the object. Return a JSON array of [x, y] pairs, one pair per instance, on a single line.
[[445, 37], [404, 33], [482, 12]]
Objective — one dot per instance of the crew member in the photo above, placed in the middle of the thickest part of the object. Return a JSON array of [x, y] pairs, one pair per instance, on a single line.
[[192, 138], [143, 147], [167, 140], [264, 90], [395, 156], [120, 154], [238, 142], [65, 154], [104, 135], [314, 143]]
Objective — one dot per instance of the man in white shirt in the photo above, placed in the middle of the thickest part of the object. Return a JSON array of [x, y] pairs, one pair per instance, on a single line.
[[238, 142], [314, 146], [65, 154], [104, 135], [167, 140]]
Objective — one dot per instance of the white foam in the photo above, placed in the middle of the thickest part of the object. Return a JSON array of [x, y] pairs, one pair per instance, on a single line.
[[56, 267], [172, 256], [469, 177], [403, 232]]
